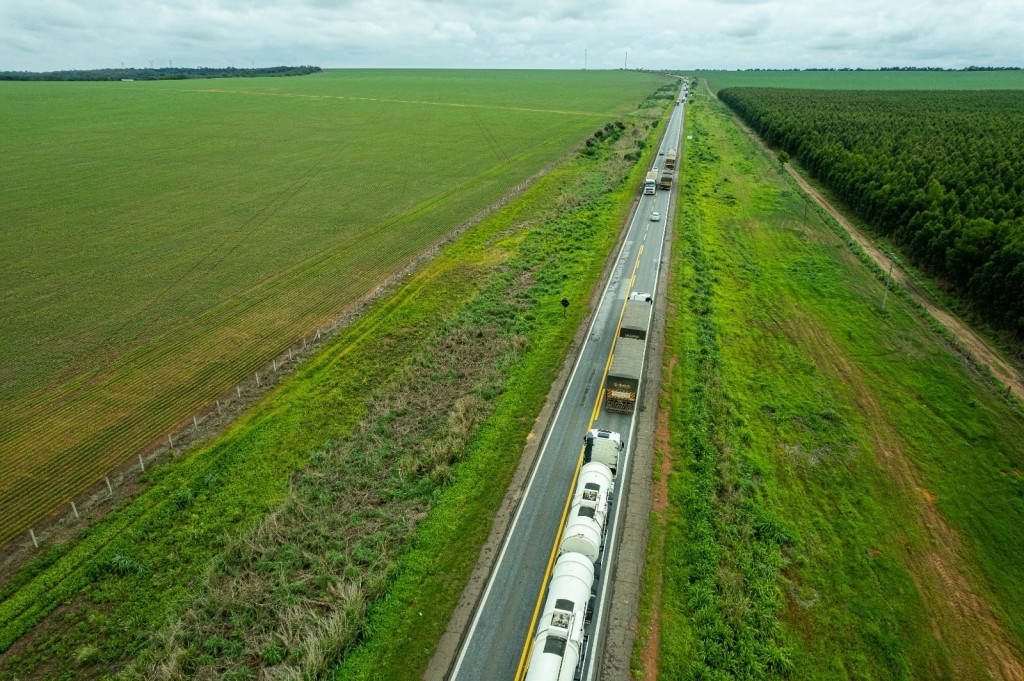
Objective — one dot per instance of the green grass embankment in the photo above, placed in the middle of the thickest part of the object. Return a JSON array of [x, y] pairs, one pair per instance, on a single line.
[[344, 505], [847, 492]]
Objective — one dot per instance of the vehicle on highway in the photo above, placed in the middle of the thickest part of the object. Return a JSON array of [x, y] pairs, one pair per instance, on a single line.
[[655, 216], [622, 384], [560, 643], [650, 182], [636, 318]]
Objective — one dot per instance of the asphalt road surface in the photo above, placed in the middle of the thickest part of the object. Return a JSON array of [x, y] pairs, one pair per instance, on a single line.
[[493, 648]]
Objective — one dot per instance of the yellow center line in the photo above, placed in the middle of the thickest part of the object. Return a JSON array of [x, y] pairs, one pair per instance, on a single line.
[[528, 645]]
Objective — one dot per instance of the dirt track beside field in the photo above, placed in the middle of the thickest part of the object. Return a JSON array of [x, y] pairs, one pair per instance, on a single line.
[[974, 345]]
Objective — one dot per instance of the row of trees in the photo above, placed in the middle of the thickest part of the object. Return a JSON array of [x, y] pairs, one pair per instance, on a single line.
[[167, 73], [942, 173]]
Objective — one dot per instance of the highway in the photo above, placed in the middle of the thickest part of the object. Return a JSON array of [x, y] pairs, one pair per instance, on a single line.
[[494, 647]]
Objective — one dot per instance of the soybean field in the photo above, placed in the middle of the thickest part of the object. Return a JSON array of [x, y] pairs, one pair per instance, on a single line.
[[164, 240]]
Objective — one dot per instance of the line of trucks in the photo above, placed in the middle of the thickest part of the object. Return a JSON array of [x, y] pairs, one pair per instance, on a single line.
[[560, 643], [663, 181]]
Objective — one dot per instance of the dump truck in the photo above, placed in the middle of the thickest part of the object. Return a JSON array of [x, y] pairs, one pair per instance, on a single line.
[[623, 381], [636, 319], [666, 179], [650, 182], [670, 159]]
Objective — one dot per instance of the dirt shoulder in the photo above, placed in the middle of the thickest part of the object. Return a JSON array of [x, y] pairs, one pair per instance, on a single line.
[[974, 345]]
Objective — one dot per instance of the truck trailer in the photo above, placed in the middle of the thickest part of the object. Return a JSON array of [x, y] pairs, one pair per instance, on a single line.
[[666, 179], [636, 319], [623, 381], [670, 159]]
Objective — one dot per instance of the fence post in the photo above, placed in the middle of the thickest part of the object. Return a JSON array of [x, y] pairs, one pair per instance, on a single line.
[[35, 542], [195, 424], [109, 488], [218, 407], [303, 342], [257, 379], [170, 442], [74, 509], [142, 465], [317, 333], [289, 354], [238, 389], [275, 364]]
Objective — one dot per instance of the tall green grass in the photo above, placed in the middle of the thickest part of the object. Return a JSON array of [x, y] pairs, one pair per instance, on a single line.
[[871, 473]]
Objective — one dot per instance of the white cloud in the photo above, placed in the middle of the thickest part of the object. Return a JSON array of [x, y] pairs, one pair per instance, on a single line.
[[58, 34]]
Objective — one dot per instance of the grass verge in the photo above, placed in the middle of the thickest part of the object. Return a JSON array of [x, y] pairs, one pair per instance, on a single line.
[[847, 490]]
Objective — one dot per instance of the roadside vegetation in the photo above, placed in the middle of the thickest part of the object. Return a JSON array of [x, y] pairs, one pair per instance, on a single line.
[[332, 530], [845, 490], [940, 173], [165, 240]]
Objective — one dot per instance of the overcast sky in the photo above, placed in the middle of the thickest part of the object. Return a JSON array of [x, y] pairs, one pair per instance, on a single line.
[[43, 35]]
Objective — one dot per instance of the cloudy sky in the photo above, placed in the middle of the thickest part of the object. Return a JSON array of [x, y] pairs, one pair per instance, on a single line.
[[42, 35]]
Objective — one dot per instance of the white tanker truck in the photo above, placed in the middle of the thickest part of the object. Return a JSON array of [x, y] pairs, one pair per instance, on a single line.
[[560, 642]]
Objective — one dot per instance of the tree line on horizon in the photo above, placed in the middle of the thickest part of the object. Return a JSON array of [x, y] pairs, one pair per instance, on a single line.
[[160, 73], [940, 172]]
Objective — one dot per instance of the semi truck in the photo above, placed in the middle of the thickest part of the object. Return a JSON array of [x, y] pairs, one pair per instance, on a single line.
[[670, 159], [666, 179], [636, 319], [623, 381], [650, 182]]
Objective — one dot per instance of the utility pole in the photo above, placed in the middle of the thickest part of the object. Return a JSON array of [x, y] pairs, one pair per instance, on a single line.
[[584, 60], [625, 64]]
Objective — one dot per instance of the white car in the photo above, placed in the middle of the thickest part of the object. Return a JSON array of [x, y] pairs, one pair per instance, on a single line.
[[655, 216]]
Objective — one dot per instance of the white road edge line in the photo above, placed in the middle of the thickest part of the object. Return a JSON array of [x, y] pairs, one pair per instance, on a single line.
[[536, 466]]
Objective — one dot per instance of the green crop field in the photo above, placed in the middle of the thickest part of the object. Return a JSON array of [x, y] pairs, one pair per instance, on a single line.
[[399, 438], [866, 80], [164, 239], [844, 489]]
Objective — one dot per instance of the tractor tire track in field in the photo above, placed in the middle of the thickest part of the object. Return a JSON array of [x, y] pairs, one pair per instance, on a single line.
[[456, 105], [980, 350]]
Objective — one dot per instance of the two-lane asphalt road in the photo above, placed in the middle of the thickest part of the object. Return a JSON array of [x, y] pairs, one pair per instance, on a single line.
[[493, 648]]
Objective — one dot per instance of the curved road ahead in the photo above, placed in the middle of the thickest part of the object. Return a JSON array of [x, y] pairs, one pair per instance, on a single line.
[[493, 647]]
